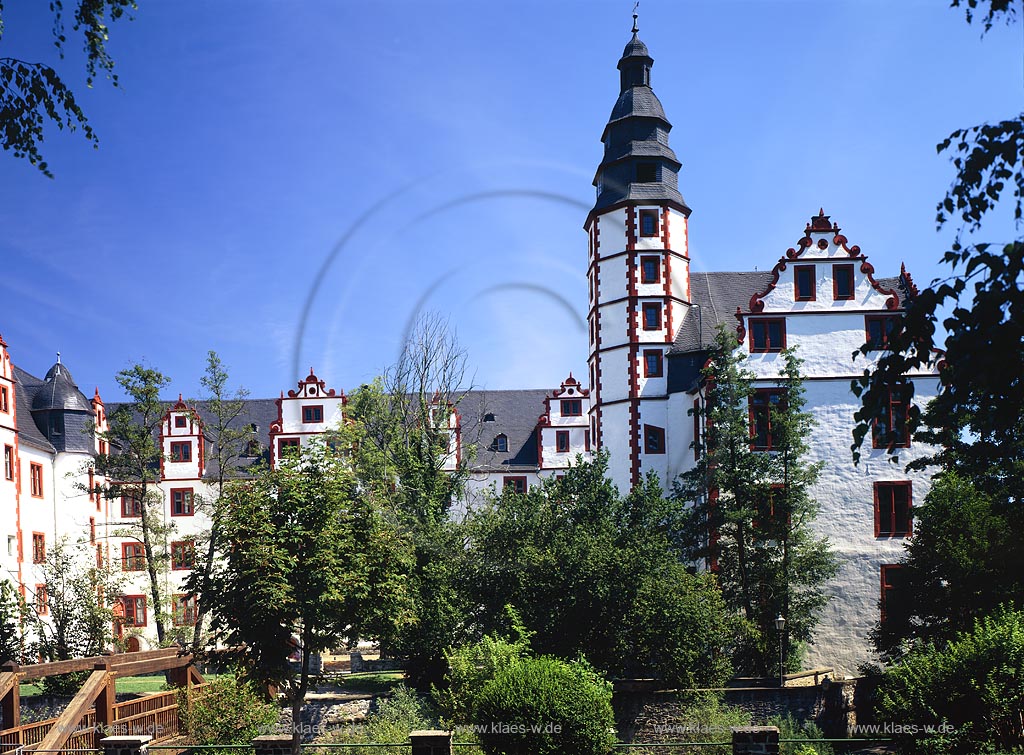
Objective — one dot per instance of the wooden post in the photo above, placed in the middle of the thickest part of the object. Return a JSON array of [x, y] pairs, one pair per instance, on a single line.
[[273, 744], [128, 745], [10, 694], [105, 700], [755, 740], [431, 742]]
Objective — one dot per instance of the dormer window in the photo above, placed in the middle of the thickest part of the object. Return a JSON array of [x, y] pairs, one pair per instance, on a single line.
[[804, 278], [312, 414], [842, 282], [5, 400], [489, 417], [180, 421], [646, 173], [572, 407], [181, 451], [500, 443]]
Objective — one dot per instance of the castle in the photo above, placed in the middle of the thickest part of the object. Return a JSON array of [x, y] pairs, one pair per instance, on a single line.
[[651, 322]]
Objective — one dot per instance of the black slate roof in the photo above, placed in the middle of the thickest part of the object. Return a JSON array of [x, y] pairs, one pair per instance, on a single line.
[[58, 391], [25, 392], [515, 415]]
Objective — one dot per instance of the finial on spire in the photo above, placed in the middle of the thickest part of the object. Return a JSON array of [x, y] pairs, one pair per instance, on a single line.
[[635, 16]]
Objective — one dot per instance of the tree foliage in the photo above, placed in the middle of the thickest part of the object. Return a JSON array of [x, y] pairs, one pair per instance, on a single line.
[[132, 469], [306, 557], [228, 711], [33, 94], [751, 511], [964, 561], [597, 574], [406, 460], [14, 618], [974, 686]]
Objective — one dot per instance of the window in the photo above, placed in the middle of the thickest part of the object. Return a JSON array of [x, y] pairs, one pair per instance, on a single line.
[[878, 329], [586, 440], [181, 451], [762, 403], [130, 505], [134, 610], [649, 223], [572, 407], [92, 530], [894, 603], [803, 277], [12, 545], [183, 554], [652, 316], [181, 502], [184, 610], [767, 335], [5, 399], [842, 282], [516, 484], [654, 439], [99, 556], [9, 462], [500, 443], [650, 270], [133, 557], [562, 441], [181, 421], [890, 430], [42, 601], [770, 510], [38, 548], [489, 417], [252, 448], [312, 414], [288, 447], [36, 479], [646, 173], [892, 509], [653, 366]]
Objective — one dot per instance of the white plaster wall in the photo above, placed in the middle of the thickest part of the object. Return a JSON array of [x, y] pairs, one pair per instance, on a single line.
[[291, 414], [654, 413], [612, 325], [612, 232], [781, 298], [678, 235], [679, 436], [550, 458], [615, 437], [615, 374], [613, 278]]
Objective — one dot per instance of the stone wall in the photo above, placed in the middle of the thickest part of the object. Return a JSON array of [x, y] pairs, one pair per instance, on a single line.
[[644, 713]]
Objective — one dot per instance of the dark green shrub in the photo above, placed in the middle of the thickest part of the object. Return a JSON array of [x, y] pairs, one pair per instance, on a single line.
[[226, 712], [544, 706], [966, 697], [790, 728], [396, 716]]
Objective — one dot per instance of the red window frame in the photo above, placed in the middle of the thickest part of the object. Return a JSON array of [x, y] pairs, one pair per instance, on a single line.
[[9, 462], [760, 408], [181, 421], [760, 331], [134, 605], [42, 601], [811, 286], [286, 446], [562, 441], [182, 502], [894, 507], [183, 555], [844, 273], [654, 365], [648, 223], [5, 399], [891, 430], [651, 312], [571, 407], [516, 482], [133, 557], [35, 474], [883, 322], [130, 506], [181, 451], [312, 414], [38, 548], [184, 610], [890, 587], [654, 439], [650, 269]]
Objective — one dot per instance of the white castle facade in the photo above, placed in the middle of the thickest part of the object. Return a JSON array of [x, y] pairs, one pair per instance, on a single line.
[[651, 320]]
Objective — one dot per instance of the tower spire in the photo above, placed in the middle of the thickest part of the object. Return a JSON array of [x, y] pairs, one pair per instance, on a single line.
[[636, 5]]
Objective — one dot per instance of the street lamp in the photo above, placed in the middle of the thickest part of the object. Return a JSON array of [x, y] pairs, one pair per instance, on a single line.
[[780, 624]]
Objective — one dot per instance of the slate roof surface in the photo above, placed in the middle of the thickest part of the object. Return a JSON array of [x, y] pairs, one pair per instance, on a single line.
[[25, 392], [635, 48], [515, 415]]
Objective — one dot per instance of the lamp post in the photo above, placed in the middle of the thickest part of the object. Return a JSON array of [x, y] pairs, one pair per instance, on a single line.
[[780, 624]]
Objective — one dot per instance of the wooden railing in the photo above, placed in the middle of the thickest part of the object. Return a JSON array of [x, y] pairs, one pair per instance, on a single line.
[[93, 712]]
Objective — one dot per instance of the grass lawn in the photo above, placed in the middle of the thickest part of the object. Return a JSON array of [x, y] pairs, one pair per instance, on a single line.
[[371, 683], [134, 685]]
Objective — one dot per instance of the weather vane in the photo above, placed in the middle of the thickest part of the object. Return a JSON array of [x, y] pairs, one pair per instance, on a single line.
[[635, 6]]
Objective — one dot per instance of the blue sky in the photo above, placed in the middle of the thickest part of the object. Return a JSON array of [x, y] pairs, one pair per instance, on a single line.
[[413, 154]]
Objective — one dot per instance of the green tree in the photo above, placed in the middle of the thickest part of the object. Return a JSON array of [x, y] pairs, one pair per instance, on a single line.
[[306, 557], [132, 469], [973, 687], [406, 460], [228, 711], [752, 510], [963, 562], [77, 596], [227, 443], [33, 94], [593, 573], [14, 619]]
